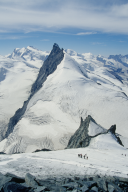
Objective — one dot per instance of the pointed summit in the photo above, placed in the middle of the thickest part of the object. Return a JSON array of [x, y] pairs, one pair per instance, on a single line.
[[48, 67], [56, 45], [82, 137]]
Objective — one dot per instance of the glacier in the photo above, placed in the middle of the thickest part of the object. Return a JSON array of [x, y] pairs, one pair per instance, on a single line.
[[79, 85]]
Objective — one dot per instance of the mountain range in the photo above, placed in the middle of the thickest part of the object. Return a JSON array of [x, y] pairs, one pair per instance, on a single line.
[[44, 95]]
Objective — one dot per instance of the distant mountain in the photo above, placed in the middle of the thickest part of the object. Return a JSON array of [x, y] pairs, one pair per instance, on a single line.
[[16, 78], [68, 86], [29, 53]]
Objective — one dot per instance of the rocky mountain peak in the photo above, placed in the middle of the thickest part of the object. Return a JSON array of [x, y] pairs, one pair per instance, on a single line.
[[112, 129], [56, 45], [88, 130], [48, 67], [81, 137]]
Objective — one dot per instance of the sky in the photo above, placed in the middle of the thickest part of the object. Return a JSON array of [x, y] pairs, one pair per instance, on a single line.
[[96, 26]]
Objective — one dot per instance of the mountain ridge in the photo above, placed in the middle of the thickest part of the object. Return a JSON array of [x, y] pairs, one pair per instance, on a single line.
[[89, 130], [45, 70], [73, 87]]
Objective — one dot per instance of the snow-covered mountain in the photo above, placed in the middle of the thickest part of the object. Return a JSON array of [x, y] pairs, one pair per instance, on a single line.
[[16, 77], [29, 54], [69, 86]]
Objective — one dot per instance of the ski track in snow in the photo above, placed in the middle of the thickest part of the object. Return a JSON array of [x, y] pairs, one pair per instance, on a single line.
[[66, 163]]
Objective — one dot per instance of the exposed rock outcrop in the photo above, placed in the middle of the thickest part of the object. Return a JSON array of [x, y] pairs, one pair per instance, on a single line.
[[39, 150], [113, 131], [49, 66], [87, 183], [82, 138]]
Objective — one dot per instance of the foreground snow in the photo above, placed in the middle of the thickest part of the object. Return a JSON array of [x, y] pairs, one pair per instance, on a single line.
[[66, 163]]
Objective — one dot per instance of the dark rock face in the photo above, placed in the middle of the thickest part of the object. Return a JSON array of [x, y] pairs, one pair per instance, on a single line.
[[3, 180], [87, 183], [15, 178], [112, 130], [38, 150], [14, 187], [49, 66], [30, 180], [81, 137]]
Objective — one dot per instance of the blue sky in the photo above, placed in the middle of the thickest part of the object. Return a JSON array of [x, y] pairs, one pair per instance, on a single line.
[[96, 26]]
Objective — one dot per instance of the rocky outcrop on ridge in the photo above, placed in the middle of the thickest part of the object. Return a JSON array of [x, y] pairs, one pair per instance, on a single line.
[[30, 183], [81, 137], [113, 131], [49, 66]]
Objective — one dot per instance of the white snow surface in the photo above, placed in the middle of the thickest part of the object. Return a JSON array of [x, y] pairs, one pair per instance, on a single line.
[[66, 163], [95, 129], [105, 141], [82, 85], [16, 78]]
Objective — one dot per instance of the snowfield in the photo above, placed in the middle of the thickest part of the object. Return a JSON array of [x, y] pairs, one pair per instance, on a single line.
[[81, 85], [17, 74], [66, 163]]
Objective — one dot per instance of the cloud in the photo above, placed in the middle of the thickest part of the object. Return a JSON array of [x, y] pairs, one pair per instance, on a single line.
[[57, 15], [13, 37], [45, 40], [98, 43], [122, 41], [86, 33]]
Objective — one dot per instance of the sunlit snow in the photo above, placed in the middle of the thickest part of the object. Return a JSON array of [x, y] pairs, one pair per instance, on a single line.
[[66, 163], [82, 85]]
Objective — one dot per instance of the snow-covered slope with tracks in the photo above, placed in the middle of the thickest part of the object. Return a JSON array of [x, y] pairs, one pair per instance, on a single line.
[[80, 86]]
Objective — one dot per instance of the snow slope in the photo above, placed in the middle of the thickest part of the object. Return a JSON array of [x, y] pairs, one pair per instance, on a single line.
[[65, 163], [16, 77], [95, 129], [105, 141], [76, 89]]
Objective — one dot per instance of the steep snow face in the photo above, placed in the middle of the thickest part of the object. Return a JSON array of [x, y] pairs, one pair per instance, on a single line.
[[16, 77], [95, 129], [72, 91], [105, 141]]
